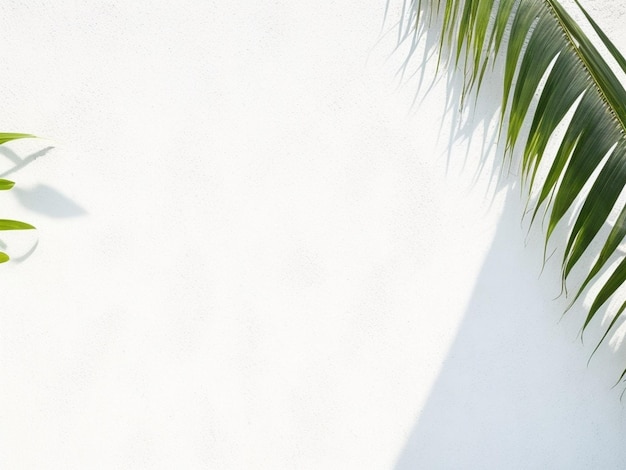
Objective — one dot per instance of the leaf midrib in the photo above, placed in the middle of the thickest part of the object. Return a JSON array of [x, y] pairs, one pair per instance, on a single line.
[[586, 65]]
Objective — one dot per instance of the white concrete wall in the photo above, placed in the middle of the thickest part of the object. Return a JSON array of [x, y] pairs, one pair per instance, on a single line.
[[252, 254]]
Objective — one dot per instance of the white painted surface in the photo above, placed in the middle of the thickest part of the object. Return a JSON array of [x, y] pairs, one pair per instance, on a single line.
[[251, 257]]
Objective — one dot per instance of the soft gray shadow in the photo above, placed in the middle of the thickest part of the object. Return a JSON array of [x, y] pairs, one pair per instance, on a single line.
[[25, 256], [514, 391], [48, 201], [18, 161], [41, 199]]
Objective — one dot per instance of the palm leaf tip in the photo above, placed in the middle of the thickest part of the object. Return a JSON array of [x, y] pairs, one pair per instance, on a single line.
[[552, 70]]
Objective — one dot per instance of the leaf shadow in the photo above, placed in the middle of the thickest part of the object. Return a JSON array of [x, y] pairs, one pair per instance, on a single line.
[[46, 200], [19, 162], [514, 390], [40, 199]]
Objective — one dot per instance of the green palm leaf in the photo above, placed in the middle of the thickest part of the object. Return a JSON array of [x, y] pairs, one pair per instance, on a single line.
[[551, 68]]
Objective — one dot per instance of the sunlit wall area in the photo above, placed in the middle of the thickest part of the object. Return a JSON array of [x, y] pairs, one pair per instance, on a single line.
[[258, 247]]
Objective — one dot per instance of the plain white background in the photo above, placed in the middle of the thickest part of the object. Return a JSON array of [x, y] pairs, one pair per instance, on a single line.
[[255, 253]]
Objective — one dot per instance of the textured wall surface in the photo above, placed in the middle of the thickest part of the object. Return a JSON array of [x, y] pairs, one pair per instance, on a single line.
[[254, 253]]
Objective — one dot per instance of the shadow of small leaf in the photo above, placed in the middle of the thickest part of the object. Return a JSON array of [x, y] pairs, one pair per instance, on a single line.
[[20, 257], [19, 162], [25, 256], [48, 201]]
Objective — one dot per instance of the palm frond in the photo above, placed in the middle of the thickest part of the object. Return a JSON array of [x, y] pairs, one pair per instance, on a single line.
[[552, 70]]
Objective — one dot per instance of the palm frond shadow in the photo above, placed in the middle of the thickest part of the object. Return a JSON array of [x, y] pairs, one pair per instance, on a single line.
[[473, 121], [419, 43], [475, 127], [509, 393]]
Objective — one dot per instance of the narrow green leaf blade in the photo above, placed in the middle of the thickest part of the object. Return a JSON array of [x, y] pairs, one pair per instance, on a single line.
[[6, 224], [597, 207], [8, 136], [607, 42], [614, 282], [6, 184]]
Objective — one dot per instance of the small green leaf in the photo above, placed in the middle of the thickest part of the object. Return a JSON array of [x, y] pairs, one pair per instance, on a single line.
[[9, 136], [6, 224], [6, 184], [3, 257]]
